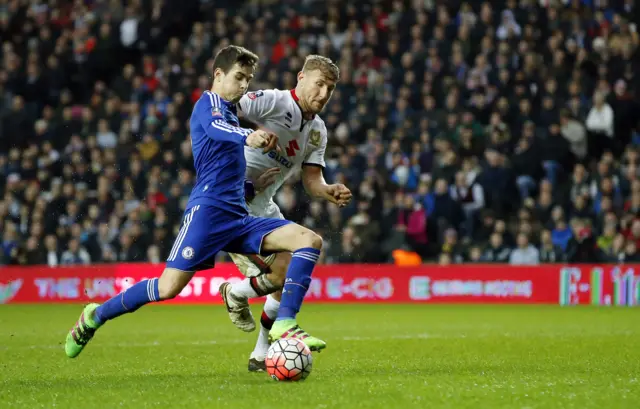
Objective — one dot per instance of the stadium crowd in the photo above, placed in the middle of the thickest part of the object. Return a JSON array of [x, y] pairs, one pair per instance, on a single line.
[[502, 131]]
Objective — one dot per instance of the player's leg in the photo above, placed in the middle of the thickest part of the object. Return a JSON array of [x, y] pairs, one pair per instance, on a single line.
[[183, 261], [305, 246], [269, 315], [169, 285], [265, 236], [267, 318], [264, 275]]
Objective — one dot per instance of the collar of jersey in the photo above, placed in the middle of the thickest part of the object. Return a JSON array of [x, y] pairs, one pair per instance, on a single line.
[[296, 99], [224, 101]]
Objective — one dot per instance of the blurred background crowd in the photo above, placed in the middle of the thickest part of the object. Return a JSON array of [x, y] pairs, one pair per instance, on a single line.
[[496, 131]]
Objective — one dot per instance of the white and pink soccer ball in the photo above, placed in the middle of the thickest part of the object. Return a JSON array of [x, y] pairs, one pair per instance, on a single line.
[[289, 360]]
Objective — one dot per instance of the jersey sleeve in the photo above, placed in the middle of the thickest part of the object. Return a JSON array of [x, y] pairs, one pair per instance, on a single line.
[[211, 116], [257, 106], [316, 155]]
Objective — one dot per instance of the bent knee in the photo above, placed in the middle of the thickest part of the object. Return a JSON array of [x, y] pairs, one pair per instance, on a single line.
[[309, 238]]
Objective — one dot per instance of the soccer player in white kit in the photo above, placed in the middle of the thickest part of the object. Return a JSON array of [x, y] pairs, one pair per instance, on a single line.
[[302, 136]]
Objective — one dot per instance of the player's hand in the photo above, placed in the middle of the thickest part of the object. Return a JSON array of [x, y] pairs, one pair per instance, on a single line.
[[263, 139], [339, 194], [266, 179]]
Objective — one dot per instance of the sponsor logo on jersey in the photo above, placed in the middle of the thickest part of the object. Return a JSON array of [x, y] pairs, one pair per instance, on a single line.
[[314, 138], [292, 148], [253, 95], [281, 159]]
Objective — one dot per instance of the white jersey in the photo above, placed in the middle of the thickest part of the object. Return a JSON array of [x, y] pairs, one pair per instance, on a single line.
[[302, 142]]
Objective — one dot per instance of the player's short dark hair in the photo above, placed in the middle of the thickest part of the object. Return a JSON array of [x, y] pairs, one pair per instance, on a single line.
[[324, 64], [227, 57]]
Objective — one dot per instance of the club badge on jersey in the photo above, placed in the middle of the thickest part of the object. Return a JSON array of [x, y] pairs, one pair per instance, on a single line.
[[314, 138]]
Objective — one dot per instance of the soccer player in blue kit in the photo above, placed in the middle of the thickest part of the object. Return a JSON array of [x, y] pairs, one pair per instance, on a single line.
[[216, 217]]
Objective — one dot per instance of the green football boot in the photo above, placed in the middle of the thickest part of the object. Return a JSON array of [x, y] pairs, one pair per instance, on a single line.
[[290, 329], [82, 332]]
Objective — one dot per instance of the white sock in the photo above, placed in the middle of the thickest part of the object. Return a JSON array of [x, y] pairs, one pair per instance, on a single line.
[[270, 310], [254, 287], [243, 289]]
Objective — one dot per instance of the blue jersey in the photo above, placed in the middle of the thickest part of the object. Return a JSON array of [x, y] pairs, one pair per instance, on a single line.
[[218, 155]]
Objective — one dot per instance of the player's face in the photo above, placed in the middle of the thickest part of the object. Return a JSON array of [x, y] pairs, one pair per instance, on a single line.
[[316, 89], [233, 85]]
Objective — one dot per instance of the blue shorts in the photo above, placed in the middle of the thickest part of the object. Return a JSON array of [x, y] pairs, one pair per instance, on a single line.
[[207, 230]]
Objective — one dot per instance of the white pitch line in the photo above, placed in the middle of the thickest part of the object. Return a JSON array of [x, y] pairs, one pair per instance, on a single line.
[[422, 336], [221, 342]]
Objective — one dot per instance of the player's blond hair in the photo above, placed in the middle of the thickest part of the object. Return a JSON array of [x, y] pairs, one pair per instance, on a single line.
[[324, 64]]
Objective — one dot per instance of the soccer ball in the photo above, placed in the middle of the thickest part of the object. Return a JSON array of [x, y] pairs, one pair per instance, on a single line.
[[289, 360]]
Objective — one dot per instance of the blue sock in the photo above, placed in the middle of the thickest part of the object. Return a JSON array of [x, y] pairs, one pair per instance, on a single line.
[[131, 299], [297, 282]]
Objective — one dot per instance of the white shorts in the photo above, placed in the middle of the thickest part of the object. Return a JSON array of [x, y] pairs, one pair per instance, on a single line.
[[253, 265]]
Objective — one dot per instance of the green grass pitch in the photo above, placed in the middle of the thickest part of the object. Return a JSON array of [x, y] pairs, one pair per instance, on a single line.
[[402, 356]]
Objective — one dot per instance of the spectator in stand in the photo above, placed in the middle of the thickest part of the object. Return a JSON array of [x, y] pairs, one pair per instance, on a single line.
[[475, 255], [526, 166], [470, 197], [630, 254], [52, 253], [525, 254], [616, 254], [498, 182], [574, 132], [414, 218], [549, 252], [561, 232], [600, 124], [605, 242], [447, 213], [452, 246], [497, 252], [582, 247], [75, 254]]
